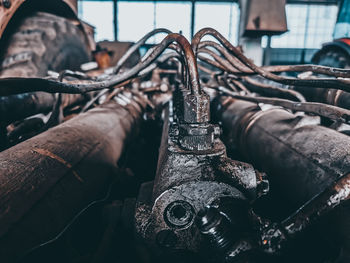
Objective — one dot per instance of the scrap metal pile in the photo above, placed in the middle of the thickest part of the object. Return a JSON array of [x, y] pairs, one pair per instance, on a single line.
[[194, 154]]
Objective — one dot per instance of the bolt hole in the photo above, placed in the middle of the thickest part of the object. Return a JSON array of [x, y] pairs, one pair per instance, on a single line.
[[179, 212]]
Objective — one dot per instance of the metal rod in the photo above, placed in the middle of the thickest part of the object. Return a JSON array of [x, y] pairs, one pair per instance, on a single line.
[[339, 83], [193, 16], [115, 19]]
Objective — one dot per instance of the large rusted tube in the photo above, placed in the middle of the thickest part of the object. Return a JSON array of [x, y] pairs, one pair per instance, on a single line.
[[17, 107], [334, 97], [48, 179], [302, 159]]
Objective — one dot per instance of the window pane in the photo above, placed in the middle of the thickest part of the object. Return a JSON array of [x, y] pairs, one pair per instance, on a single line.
[[135, 19], [320, 26], [235, 16], [100, 15], [224, 17], [309, 26], [296, 21], [174, 16]]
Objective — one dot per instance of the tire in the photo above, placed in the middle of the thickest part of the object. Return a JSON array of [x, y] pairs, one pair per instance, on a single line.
[[42, 42], [31, 46], [333, 58]]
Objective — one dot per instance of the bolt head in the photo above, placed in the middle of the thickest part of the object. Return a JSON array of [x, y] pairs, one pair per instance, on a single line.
[[179, 214]]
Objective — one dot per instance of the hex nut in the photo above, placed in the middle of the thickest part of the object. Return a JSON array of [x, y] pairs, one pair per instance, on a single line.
[[196, 108]]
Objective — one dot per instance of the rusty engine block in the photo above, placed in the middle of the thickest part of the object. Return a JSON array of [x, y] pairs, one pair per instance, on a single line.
[[191, 155]]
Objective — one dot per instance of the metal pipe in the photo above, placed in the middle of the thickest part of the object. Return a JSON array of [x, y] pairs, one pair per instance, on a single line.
[[301, 158], [272, 91], [334, 97], [242, 69], [18, 107], [335, 195], [47, 179], [339, 83], [320, 109], [9, 86], [136, 46]]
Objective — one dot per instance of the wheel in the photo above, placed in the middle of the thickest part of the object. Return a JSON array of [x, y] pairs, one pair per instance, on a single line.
[[33, 45], [332, 58], [42, 42]]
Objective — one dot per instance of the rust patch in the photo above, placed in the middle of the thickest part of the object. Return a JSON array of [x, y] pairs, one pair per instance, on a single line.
[[59, 159]]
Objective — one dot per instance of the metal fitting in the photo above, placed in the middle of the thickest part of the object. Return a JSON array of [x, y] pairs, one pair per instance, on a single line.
[[197, 137], [216, 228], [196, 108], [179, 214], [263, 184]]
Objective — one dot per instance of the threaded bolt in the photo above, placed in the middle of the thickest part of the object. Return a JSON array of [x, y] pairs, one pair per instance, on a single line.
[[216, 228]]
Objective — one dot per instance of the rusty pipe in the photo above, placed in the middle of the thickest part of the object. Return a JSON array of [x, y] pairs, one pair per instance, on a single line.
[[307, 165], [10, 86], [136, 46], [338, 83], [47, 179], [301, 158], [333, 196], [334, 97], [18, 107]]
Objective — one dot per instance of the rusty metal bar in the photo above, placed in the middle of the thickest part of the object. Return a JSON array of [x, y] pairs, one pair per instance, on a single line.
[[46, 180], [335, 195]]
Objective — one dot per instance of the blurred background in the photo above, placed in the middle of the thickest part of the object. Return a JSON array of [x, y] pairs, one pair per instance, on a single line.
[[309, 24]]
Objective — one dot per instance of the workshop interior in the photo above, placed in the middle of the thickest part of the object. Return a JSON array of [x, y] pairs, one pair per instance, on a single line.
[[175, 131]]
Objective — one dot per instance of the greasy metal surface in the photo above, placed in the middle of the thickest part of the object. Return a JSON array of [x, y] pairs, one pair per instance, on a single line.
[[300, 159], [335, 195], [187, 181], [46, 180], [307, 164]]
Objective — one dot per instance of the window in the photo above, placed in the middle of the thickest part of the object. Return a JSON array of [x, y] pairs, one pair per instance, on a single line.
[[309, 26], [174, 16], [100, 15], [320, 25], [224, 17], [135, 19]]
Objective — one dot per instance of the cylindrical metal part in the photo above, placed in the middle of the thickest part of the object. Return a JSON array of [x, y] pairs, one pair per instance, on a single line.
[[334, 97], [17, 107], [301, 159], [46, 180]]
